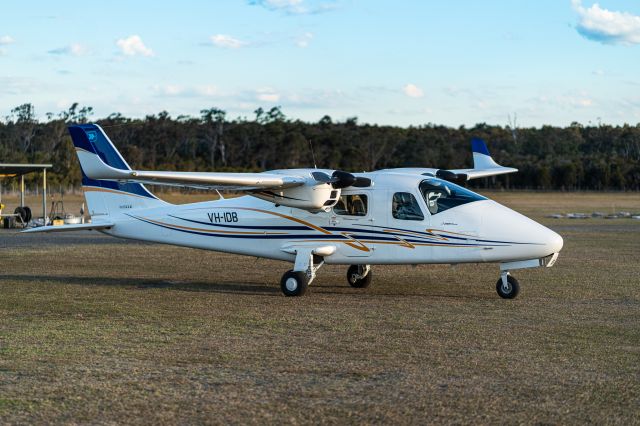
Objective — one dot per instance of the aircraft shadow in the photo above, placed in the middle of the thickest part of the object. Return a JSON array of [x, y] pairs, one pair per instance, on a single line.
[[228, 287], [149, 283]]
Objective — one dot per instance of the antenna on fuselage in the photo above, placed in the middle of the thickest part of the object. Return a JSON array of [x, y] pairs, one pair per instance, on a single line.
[[313, 156]]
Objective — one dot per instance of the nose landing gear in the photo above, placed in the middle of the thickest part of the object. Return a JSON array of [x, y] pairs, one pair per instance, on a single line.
[[507, 286]]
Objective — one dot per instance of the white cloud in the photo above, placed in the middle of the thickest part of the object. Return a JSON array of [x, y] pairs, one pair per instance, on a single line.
[[4, 40], [176, 90], [172, 90], [74, 49], [226, 41], [585, 102], [413, 91], [267, 94], [295, 7], [208, 90], [133, 46], [304, 40], [606, 26], [574, 100], [20, 86]]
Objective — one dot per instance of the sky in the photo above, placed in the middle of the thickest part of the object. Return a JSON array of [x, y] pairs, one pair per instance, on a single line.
[[405, 63]]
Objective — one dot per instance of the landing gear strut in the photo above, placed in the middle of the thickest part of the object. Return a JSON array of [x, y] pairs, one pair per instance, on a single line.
[[507, 286], [359, 276], [295, 281]]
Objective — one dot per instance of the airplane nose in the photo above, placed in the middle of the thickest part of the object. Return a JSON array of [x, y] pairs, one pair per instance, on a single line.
[[554, 242], [526, 238]]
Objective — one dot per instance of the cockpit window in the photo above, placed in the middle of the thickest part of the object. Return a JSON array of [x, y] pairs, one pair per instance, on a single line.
[[405, 207], [441, 195]]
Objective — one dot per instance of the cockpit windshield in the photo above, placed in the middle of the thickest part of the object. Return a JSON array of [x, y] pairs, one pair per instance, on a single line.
[[440, 195]]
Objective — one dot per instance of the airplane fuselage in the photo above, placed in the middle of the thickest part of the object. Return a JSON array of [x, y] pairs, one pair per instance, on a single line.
[[477, 231]]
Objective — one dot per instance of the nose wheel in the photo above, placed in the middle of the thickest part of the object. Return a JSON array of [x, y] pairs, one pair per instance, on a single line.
[[507, 286]]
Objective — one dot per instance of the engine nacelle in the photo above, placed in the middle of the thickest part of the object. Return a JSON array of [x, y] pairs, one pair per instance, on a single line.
[[312, 196]]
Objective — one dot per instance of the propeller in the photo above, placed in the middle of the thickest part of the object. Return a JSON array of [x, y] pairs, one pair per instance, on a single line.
[[340, 179]]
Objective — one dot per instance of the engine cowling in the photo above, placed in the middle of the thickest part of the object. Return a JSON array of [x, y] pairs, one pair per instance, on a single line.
[[312, 196], [321, 191]]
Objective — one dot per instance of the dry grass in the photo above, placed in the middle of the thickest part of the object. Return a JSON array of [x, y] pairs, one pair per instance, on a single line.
[[173, 335]]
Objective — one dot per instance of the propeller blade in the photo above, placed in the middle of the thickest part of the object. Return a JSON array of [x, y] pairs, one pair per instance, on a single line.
[[362, 182], [322, 177], [342, 179]]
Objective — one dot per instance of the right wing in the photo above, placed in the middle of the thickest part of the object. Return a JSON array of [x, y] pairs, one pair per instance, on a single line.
[[483, 166], [483, 163]]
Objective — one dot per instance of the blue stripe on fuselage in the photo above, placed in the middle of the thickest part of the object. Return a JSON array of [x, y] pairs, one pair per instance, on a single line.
[[345, 238]]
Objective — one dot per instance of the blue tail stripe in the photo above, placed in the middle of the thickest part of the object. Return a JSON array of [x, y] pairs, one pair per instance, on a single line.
[[80, 139], [478, 145]]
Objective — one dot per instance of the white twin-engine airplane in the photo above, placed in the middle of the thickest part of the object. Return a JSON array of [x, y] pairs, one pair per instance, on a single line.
[[311, 217]]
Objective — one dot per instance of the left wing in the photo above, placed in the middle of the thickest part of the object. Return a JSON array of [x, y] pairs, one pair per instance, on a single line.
[[95, 168]]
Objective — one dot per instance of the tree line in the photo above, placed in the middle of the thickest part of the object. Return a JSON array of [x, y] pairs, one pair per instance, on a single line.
[[577, 157]]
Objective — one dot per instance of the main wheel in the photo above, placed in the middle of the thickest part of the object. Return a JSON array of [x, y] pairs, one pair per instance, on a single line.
[[353, 277], [294, 283], [29, 215], [512, 289], [22, 213]]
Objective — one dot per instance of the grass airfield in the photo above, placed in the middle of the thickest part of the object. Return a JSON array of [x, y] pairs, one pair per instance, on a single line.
[[99, 330]]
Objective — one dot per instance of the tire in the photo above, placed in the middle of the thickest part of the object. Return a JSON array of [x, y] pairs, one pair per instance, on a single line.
[[20, 211], [294, 283], [358, 282], [512, 292], [29, 215]]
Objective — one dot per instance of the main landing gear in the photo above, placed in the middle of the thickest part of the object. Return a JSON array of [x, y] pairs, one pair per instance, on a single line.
[[359, 276], [296, 281], [307, 263]]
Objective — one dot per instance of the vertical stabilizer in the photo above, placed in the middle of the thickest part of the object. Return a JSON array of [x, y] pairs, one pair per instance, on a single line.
[[106, 197], [481, 157]]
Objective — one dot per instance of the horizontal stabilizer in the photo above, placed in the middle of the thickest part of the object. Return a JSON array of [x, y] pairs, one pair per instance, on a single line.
[[68, 228]]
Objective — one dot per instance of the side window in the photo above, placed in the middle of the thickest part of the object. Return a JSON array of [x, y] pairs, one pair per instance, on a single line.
[[405, 207], [351, 205]]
